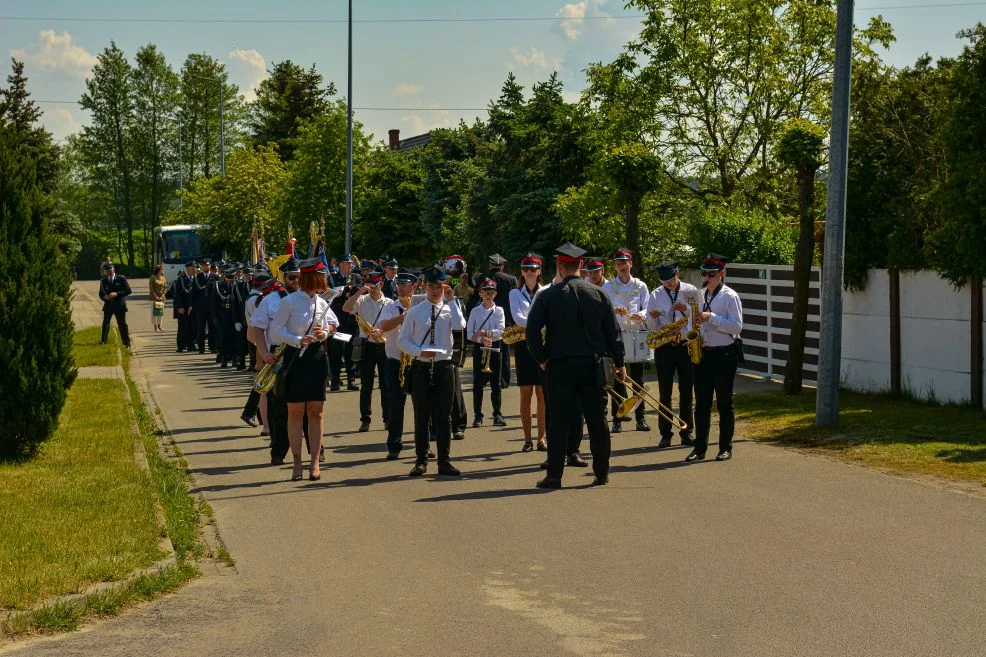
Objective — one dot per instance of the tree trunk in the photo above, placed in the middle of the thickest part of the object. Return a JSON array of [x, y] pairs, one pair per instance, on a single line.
[[633, 234], [794, 370]]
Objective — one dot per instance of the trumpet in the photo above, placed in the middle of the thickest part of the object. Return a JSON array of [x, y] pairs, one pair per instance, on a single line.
[[639, 395], [486, 358], [368, 328]]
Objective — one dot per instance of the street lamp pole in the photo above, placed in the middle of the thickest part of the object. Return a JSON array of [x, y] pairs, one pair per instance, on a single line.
[[349, 139], [181, 184], [830, 333]]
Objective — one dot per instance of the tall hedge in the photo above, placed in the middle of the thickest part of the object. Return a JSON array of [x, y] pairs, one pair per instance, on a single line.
[[35, 315]]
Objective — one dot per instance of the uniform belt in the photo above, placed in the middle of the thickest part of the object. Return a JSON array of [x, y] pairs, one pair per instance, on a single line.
[[720, 347], [429, 363]]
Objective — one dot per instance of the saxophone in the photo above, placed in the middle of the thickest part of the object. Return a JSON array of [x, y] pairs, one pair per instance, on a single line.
[[694, 337], [405, 358], [264, 381], [368, 329], [667, 334], [514, 334]]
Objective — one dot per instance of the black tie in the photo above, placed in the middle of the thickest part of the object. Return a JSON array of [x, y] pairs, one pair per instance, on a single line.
[[434, 316]]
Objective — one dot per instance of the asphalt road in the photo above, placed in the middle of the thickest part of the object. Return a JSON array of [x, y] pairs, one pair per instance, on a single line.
[[773, 553]]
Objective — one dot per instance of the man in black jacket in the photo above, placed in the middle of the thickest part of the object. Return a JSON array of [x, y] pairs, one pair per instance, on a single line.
[[204, 281], [113, 292], [184, 302], [580, 327]]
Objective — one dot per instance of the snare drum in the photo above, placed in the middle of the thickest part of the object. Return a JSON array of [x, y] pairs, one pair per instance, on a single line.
[[635, 348]]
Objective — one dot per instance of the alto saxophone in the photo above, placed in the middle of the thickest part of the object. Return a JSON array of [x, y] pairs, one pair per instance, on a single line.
[[667, 334], [405, 358], [693, 339], [264, 381]]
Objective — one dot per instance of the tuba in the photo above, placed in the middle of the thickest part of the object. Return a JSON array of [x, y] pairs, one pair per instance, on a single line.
[[693, 339]]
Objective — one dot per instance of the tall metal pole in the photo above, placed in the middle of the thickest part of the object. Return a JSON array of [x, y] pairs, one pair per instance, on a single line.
[[830, 335], [181, 185], [349, 140], [222, 132]]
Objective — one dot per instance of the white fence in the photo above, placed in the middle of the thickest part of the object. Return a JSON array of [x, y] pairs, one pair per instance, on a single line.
[[934, 330]]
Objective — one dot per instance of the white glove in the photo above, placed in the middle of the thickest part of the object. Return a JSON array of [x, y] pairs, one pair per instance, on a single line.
[[239, 326]]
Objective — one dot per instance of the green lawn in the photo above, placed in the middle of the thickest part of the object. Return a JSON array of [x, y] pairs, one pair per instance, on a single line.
[[875, 430], [82, 511], [89, 352]]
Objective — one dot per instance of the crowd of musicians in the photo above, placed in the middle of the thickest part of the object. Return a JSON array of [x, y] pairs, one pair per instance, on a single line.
[[579, 345]]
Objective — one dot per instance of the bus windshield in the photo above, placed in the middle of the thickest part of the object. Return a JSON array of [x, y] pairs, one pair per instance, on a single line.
[[183, 245]]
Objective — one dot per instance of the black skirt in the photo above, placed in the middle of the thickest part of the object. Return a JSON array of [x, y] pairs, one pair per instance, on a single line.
[[528, 371], [307, 374]]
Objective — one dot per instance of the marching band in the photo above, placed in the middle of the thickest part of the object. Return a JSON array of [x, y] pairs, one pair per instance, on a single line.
[[580, 347]]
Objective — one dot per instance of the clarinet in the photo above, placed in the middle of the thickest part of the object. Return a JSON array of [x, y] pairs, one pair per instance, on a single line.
[[316, 322]]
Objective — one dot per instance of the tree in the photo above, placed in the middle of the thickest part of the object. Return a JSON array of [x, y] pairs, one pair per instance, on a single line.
[[108, 146], [800, 147], [249, 195], [288, 97], [35, 291], [201, 79], [742, 234], [632, 171], [17, 108], [390, 215], [155, 87]]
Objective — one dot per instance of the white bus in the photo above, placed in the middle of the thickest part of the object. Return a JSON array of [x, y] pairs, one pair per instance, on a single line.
[[174, 246]]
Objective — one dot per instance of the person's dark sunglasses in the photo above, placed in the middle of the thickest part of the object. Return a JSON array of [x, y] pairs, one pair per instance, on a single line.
[[709, 274]]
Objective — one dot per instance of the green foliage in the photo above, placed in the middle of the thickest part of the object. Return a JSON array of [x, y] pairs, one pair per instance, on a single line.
[[35, 318], [390, 215], [800, 144], [250, 194], [286, 98], [743, 235], [956, 243]]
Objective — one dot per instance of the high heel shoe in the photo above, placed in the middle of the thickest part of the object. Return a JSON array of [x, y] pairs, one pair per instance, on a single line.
[[297, 473], [313, 476]]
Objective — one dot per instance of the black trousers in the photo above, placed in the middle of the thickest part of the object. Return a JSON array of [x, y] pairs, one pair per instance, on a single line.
[[670, 359], [341, 352], [395, 419], [371, 366], [570, 385], [715, 375], [277, 420], [227, 339], [460, 416], [504, 365], [432, 387], [252, 406], [636, 372], [480, 379], [120, 313], [186, 331], [204, 329]]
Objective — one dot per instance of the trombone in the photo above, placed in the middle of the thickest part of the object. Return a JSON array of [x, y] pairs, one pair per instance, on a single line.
[[638, 395]]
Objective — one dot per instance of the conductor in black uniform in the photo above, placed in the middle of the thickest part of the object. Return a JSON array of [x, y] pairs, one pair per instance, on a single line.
[[113, 292], [580, 328]]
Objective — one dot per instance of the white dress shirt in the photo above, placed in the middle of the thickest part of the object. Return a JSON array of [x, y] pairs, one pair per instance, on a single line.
[[661, 299], [492, 320], [727, 316], [417, 326], [521, 301], [371, 310], [264, 315], [390, 311], [250, 306], [632, 295], [297, 315]]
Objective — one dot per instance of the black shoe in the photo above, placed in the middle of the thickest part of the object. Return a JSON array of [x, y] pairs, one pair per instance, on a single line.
[[477, 423], [431, 453], [600, 481], [498, 421], [459, 435], [687, 440], [178, 351], [642, 425], [447, 469], [549, 482], [528, 446], [665, 442], [418, 470], [241, 366], [277, 461], [352, 386], [334, 387], [542, 446], [249, 420], [393, 455], [544, 464], [576, 461], [724, 455], [224, 365], [201, 351], [617, 427], [364, 426], [694, 456]]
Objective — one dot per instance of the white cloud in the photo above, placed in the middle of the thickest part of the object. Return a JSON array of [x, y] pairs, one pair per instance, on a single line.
[[536, 59], [419, 125], [60, 122], [574, 13], [406, 89], [57, 52], [255, 70], [571, 96]]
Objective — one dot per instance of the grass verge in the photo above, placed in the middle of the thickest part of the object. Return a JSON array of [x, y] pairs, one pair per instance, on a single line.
[[875, 430], [88, 352]]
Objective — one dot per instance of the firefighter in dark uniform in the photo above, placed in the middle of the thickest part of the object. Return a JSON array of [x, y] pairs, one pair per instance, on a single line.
[[113, 291], [224, 316], [241, 292], [342, 352], [580, 327], [390, 269], [184, 302], [202, 311]]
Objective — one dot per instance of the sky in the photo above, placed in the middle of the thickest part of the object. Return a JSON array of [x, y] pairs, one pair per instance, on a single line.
[[413, 76]]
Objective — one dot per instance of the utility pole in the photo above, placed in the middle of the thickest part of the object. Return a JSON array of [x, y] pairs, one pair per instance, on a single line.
[[349, 140], [830, 335]]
